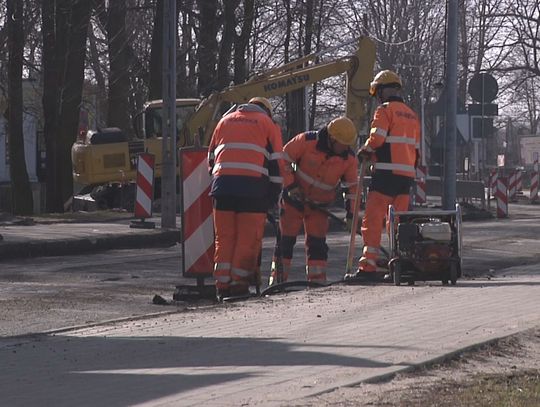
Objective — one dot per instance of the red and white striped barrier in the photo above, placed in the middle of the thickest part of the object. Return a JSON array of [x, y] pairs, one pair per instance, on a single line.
[[512, 184], [145, 186], [196, 214], [420, 190], [493, 174], [501, 195], [519, 181], [533, 197]]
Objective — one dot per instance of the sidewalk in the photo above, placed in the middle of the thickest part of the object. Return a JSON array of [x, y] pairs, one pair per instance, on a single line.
[[77, 234], [277, 351]]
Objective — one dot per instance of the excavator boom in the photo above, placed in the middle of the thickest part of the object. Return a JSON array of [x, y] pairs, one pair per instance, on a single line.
[[106, 158], [279, 81]]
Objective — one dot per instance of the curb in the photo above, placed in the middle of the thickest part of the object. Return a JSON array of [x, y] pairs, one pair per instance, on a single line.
[[76, 246]]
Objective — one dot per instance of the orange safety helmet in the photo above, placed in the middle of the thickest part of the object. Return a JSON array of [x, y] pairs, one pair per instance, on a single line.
[[263, 102], [385, 78], [342, 130]]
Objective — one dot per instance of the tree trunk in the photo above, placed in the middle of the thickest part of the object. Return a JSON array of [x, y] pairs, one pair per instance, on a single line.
[[227, 40], [242, 42], [20, 186], [119, 89], [464, 56], [314, 89], [72, 92], [290, 132], [296, 99], [65, 26], [208, 45], [51, 100], [156, 54]]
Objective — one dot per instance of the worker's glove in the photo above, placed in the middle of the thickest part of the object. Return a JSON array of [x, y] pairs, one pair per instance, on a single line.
[[294, 193], [364, 154]]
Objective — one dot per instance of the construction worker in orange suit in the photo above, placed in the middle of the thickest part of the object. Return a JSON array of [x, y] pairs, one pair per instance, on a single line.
[[245, 160], [393, 145], [316, 163]]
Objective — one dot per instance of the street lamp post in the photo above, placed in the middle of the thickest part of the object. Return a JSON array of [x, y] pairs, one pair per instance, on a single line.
[[168, 170], [449, 180], [422, 124]]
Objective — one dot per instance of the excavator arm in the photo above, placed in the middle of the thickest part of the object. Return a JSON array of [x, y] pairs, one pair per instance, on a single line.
[[279, 81], [108, 160]]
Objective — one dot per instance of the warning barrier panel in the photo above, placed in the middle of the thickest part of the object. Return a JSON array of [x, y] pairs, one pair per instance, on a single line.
[[196, 213], [519, 181], [501, 195], [512, 184], [493, 174], [145, 186]]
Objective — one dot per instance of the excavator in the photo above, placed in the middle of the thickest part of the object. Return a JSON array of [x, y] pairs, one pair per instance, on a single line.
[[104, 161]]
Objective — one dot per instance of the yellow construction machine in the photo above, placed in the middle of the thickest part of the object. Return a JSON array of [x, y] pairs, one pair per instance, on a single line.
[[104, 161]]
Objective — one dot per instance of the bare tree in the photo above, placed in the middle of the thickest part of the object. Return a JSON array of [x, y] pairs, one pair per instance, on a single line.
[[187, 53], [241, 42], [119, 80], [209, 24], [156, 54], [20, 185], [222, 40], [507, 41], [226, 45], [64, 28]]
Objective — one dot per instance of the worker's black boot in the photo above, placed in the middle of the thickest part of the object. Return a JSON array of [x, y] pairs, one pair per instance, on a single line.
[[222, 293]]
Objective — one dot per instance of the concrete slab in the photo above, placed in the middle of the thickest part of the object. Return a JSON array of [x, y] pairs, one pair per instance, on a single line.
[[74, 238], [272, 352]]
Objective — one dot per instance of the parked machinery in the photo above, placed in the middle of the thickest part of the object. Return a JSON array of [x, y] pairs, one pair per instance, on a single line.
[[425, 245], [105, 163]]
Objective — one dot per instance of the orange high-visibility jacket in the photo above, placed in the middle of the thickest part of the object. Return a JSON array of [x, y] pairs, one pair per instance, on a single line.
[[318, 170], [245, 155], [394, 138]]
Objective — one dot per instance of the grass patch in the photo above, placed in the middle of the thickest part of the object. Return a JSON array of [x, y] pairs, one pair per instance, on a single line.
[[517, 389]]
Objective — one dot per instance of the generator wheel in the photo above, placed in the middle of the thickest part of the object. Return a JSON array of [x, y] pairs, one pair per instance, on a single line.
[[453, 273], [411, 281], [396, 273]]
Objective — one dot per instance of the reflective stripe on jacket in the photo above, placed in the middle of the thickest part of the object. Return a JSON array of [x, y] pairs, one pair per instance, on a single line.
[[318, 171], [245, 155], [395, 138]]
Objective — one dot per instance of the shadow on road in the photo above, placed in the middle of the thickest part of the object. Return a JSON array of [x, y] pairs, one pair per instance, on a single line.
[[91, 371]]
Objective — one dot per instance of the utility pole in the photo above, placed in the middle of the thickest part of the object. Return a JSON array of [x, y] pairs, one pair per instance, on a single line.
[[168, 169], [423, 159], [449, 180], [423, 143]]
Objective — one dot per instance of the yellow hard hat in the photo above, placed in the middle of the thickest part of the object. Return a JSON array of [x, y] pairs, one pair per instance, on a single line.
[[385, 77], [342, 130], [263, 102]]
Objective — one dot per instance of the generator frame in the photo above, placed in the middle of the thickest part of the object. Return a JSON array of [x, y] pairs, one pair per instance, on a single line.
[[404, 265]]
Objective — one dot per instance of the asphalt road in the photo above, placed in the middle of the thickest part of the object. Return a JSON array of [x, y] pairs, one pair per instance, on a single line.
[[50, 293]]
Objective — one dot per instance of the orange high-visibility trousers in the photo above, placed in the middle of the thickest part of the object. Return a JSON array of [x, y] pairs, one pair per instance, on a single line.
[[316, 227], [372, 224], [238, 240]]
